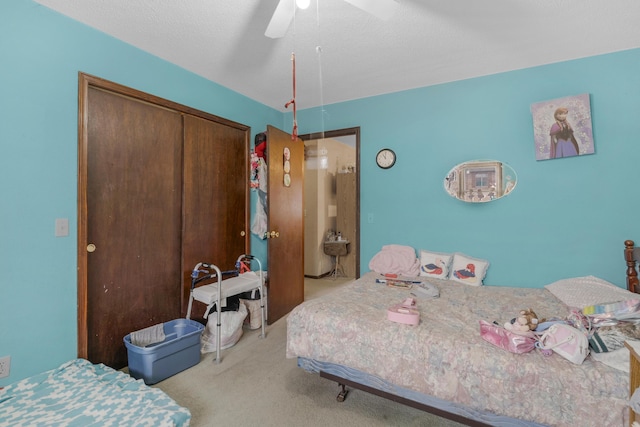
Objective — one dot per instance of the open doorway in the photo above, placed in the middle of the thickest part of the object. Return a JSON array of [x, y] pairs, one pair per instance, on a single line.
[[332, 202]]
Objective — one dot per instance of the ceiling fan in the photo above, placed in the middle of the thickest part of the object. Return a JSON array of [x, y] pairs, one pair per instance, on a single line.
[[281, 19]]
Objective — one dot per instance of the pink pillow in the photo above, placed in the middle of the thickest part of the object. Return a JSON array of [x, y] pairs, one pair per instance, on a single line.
[[396, 259]]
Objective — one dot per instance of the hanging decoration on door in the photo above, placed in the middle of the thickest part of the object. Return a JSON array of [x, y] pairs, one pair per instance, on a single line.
[[286, 160], [294, 131]]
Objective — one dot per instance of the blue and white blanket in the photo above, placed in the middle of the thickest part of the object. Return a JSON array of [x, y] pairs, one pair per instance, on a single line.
[[79, 393]]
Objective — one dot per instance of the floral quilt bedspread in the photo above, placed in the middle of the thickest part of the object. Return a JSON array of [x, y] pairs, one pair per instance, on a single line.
[[445, 357], [82, 394]]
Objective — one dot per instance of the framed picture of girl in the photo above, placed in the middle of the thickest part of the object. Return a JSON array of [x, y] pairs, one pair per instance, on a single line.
[[562, 127]]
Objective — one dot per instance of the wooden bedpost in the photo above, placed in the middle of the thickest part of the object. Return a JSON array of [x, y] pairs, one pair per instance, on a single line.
[[632, 273]]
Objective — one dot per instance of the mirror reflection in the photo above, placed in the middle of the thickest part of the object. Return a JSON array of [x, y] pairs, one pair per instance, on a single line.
[[479, 181]]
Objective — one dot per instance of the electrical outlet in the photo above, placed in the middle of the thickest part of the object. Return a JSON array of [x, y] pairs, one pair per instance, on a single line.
[[5, 366]]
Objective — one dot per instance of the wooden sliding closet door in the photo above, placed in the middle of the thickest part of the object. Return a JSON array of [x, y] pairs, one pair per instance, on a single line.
[[161, 187], [133, 219], [216, 191]]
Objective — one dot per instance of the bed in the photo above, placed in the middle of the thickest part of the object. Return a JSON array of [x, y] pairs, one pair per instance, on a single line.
[[79, 393], [443, 366]]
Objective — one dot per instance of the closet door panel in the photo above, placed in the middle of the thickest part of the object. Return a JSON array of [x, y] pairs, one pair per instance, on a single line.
[[215, 197], [134, 155]]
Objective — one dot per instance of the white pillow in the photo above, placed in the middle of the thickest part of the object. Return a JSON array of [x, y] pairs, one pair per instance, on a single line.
[[468, 270], [435, 264], [581, 292]]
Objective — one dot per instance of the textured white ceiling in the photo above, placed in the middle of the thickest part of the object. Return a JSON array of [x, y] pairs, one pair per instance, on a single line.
[[343, 53]]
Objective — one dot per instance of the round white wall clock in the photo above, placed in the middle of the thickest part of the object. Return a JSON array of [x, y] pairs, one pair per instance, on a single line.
[[386, 158]]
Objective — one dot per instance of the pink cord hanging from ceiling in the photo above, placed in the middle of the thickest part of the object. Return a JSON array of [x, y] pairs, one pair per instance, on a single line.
[[294, 132]]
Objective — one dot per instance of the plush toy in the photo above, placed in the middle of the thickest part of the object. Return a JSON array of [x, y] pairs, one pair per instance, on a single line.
[[526, 321]]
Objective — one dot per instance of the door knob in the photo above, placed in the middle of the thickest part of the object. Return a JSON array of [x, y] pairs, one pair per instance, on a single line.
[[275, 234], [242, 233], [91, 247]]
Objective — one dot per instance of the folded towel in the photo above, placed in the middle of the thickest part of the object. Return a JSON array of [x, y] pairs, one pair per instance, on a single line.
[[147, 336]]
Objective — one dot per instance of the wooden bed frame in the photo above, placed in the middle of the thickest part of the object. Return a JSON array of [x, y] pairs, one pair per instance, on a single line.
[[631, 255]]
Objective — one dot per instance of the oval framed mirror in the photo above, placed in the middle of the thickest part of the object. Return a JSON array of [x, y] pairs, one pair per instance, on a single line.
[[480, 181]]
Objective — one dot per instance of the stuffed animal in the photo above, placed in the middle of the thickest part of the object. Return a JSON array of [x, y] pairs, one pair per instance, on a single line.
[[526, 321]]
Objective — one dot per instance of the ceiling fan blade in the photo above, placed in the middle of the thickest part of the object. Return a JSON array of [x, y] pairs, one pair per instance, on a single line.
[[382, 9], [281, 19]]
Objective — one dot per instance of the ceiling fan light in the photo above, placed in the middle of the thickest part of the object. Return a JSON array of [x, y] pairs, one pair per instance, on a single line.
[[303, 4]]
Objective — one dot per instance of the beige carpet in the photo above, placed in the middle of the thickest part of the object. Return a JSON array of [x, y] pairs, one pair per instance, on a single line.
[[256, 385]]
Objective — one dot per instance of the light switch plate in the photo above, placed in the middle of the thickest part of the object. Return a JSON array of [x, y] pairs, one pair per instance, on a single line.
[[5, 366], [62, 227]]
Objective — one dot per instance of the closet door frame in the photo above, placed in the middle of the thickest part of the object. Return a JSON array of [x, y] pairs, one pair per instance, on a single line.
[[85, 82]]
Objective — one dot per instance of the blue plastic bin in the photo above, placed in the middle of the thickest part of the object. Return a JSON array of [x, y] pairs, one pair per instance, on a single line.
[[180, 350]]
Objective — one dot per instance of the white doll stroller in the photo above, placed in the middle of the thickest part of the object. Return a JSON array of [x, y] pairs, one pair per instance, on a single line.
[[244, 280]]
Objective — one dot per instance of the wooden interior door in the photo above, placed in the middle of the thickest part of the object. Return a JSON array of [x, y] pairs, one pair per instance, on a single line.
[[133, 220], [285, 224], [216, 197]]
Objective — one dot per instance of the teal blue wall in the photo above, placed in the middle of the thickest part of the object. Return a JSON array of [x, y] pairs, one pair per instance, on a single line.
[[566, 218], [41, 53]]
